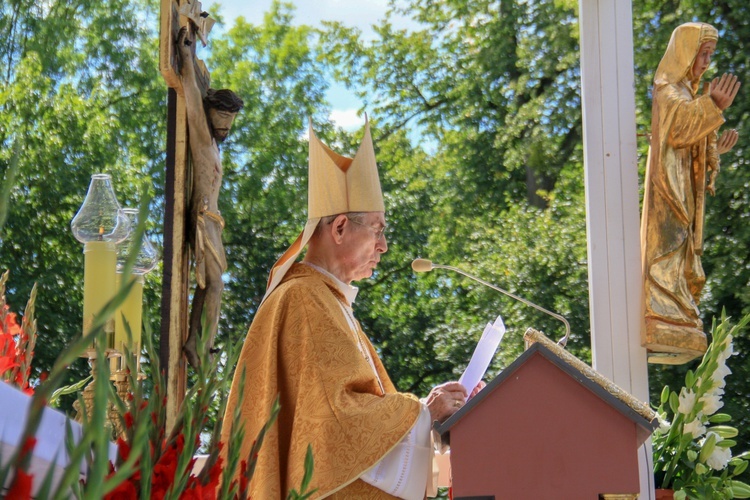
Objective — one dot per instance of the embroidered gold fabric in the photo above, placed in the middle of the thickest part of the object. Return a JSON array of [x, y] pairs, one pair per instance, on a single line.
[[301, 347]]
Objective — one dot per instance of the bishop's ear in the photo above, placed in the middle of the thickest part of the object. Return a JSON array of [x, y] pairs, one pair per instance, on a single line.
[[337, 227]]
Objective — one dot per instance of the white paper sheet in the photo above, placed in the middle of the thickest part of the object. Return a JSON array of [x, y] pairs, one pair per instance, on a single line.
[[483, 353]]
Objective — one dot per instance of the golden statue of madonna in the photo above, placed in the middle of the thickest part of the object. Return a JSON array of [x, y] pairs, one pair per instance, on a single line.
[[683, 162]]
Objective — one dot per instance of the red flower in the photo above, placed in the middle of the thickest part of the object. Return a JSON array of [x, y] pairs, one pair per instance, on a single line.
[[10, 325], [123, 449], [215, 474], [128, 418], [7, 363], [21, 487], [28, 447], [164, 472], [243, 478], [124, 491]]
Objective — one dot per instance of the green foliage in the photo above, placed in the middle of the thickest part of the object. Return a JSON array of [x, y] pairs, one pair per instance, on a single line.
[[492, 180], [80, 94], [149, 460], [494, 83], [692, 455], [309, 467], [493, 88], [263, 197], [93, 440]]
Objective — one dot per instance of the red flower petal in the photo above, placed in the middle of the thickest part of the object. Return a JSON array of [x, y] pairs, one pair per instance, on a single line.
[[123, 448], [21, 487]]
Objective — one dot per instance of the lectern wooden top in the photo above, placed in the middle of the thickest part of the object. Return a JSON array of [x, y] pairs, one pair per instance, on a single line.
[[538, 344]]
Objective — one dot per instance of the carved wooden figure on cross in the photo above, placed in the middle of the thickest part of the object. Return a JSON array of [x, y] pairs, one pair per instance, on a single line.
[[209, 118]]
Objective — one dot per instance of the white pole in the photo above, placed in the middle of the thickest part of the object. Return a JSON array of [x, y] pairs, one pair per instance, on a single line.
[[612, 213]]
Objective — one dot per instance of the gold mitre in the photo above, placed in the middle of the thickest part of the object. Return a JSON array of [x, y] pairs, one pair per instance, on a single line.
[[336, 185]]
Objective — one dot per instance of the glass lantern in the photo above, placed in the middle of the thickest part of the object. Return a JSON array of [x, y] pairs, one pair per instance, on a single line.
[[99, 224], [131, 311]]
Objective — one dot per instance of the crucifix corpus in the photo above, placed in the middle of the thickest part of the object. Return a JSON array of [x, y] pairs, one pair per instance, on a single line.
[[199, 119]]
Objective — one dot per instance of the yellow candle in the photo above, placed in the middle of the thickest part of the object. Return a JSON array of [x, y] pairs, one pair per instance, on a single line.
[[99, 261], [132, 310]]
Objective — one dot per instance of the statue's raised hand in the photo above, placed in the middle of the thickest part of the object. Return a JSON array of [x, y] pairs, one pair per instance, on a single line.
[[727, 141], [724, 89]]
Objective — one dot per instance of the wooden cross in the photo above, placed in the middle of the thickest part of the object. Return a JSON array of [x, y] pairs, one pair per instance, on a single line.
[[175, 284]]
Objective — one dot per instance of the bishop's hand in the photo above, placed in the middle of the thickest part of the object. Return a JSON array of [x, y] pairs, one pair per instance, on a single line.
[[445, 399]]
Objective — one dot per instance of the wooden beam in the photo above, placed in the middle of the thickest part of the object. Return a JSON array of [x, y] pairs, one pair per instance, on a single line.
[[176, 258], [175, 282]]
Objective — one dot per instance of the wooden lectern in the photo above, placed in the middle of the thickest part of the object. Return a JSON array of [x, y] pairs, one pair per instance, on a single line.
[[549, 426]]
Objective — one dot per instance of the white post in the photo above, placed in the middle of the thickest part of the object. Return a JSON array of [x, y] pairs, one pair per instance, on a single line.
[[612, 213]]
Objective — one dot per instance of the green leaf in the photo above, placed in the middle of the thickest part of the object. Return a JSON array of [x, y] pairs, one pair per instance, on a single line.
[[68, 389], [309, 467], [674, 402], [740, 489], [740, 467], [724, 431], [689, 379], [719, 418], [664, 394]]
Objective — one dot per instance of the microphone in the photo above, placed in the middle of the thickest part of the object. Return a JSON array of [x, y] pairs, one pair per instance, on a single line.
[[425, 265]]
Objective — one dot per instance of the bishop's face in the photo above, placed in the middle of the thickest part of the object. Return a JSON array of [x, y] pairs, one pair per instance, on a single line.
[[221, 123], [364, 242], [703, 59]]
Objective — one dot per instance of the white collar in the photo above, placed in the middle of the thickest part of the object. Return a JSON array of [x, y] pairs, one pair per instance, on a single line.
[[349, 292]]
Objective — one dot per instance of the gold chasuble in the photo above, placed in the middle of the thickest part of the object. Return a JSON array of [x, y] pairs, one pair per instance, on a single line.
[[301, 347]]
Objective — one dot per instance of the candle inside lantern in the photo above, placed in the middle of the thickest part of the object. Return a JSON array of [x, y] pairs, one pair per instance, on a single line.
[[99, 225], [131, 311], [99, 263]]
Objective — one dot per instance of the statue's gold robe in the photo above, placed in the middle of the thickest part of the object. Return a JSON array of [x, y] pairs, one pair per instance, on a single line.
[[301, 348], [683, 147]]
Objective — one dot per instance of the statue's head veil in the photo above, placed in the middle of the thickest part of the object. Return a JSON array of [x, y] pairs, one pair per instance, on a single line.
[[683, 47]]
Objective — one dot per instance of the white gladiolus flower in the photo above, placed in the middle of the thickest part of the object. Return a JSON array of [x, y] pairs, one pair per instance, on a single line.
[[719, 458], [695, 428], [720, 374], [712, 402], [728, 349], [664, 425], [687, 401]]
